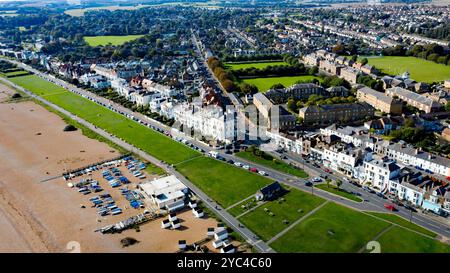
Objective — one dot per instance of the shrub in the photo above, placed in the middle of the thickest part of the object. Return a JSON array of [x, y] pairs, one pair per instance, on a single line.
[[70, 128]]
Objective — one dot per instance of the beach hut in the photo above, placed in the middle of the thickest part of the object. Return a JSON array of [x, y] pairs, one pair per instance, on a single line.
[[165, 223], [198, 213], [172, 217], [221, 235], [210, 232], [192, 204], [217, 244], [228, 249], [182, 244], [176, 224]]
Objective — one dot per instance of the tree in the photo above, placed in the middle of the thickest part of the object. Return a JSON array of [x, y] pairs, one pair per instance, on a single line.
[[277, 86], [338, 49], [338, 184], [364, 61], [447, 106], [328, 180], [292, 105]]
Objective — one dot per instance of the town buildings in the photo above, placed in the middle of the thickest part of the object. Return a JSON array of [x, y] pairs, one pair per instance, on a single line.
[[328, 114], [379, 101], [416, 100]]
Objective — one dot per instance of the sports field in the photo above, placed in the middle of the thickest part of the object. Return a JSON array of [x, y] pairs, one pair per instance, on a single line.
[[264, 84], [113, 40], [259, 65], [419, 69]]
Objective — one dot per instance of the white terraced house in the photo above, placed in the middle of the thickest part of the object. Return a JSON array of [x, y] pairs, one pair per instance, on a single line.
[[210, 121]]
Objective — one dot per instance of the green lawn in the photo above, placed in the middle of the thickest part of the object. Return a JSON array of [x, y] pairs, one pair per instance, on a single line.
[[16, 73], [333, 189], [264, 84], [402, 222], [148, 140], [224, 183], [113, 40], [333, 228], [400, 240], [419, 69], [276, 165], [259, 65], [296, 204], [238, 209]]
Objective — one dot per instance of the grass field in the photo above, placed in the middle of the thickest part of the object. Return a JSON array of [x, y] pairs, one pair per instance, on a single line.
[[224, 183], [334, 190], [296, 204], [419, 69], [399, 240], [277, 165], [333, 228], [259, 65], [402, 222], [140, 136], [264, 84], [113, 40], [16, 73]]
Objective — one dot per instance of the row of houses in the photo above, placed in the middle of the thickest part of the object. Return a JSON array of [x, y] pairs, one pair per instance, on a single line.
[[390, 168], [338, 65]]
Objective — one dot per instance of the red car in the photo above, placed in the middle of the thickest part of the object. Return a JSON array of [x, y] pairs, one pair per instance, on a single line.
[[390, 207], [327, 170], [253, 170]]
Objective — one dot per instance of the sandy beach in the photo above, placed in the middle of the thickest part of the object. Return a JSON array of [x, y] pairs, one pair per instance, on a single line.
[[40, 216]]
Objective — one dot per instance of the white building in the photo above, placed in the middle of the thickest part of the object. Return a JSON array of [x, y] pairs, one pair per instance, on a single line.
[[340, 158], [378, 173], [210, 122], [166, 192]]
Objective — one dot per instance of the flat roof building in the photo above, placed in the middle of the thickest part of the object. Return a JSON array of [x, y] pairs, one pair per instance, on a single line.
[[167, 192]]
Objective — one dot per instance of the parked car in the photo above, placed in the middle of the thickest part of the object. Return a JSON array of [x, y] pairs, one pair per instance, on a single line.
[[230, 161], [247, 167], [408, 207], [308, 184], [253, 170], [316, 179], [390, 207], [263, 173], [328, 171], [239, 164]]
